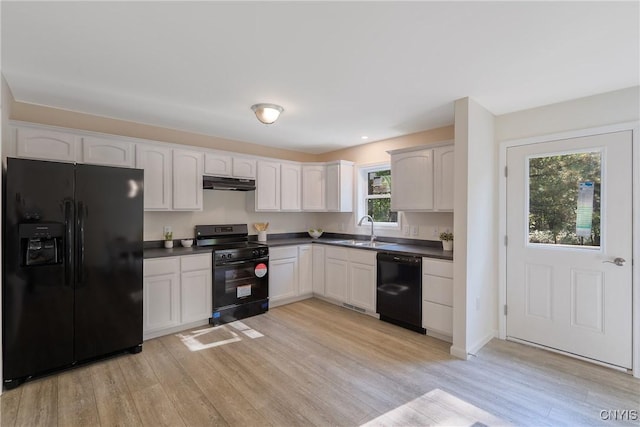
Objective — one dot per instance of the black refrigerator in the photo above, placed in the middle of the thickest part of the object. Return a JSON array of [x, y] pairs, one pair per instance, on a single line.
[[72, 265]]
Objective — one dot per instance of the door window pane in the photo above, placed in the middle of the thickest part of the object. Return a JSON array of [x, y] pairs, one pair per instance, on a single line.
[[564, 199]]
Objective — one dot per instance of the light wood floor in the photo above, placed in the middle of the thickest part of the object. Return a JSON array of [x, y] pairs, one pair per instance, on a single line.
[[319, 364]]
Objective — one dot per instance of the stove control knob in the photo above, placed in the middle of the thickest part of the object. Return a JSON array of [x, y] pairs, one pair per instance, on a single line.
[[255, 252]]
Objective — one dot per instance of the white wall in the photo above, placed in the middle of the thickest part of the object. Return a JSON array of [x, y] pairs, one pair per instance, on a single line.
[[225, 207], [598, 110], [475, 229]]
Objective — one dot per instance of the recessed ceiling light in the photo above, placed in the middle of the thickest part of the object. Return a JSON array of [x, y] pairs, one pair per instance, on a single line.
[[364, 137]]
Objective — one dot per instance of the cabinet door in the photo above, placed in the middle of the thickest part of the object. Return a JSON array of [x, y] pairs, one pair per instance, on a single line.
[[158, 173], [102, 151], [268, 186], [187, 180], [336, 279], [362, 286], [340, 187], [314, 187], [244, 168], [161, 302], [437, 317], [45, 144], [412, 181], [318, 269], [195, 295], [217, 164], [305, 276], [290, 185], [443, 177], [283, 279]]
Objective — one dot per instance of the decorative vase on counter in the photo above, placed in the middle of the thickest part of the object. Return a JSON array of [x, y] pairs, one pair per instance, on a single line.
[[447, 245], [168, 244], [262, 236]]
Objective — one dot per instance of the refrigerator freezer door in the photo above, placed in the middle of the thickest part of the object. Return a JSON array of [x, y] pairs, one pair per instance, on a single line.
[[109, 235], [37, 297]]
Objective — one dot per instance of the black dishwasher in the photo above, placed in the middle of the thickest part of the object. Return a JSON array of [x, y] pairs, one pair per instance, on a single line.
[[399, 290]]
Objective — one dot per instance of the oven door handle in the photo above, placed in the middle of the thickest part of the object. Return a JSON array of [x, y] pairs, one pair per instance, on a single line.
[[250, 261]]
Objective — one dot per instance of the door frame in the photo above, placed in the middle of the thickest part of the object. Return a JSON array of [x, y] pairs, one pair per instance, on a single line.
[[634, 127]]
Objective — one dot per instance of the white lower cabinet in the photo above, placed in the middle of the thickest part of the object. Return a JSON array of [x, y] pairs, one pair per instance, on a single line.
[[176, 293], [283, 273], [350, 277], [318, 269], [305, 270], [437, 296]]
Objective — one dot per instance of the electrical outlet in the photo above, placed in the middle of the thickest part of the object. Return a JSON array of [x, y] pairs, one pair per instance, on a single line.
[[414, 230], [477, 303], [435, 232], [405, 230]]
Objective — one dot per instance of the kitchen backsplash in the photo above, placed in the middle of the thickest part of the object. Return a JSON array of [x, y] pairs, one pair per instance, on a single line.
[[235, 207]]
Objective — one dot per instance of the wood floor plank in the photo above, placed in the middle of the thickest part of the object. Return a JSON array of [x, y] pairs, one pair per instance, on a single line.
[[155, 408], [183, 392], [114, 402], [39, 403], [232, 405], [76, 399], [9, 407]]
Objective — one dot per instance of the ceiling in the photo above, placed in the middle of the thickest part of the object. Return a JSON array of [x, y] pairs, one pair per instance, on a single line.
[[341, 70]]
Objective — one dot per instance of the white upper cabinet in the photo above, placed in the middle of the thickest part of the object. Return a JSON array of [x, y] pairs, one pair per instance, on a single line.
[[158, 172], [340, 187], [45, 144], [422, 178], [290, 186], [244, 168], [217, 164], [223, 164], [268, 186], [187, 180], [412, 180], [109, 152], [314, 187], [443, 158]]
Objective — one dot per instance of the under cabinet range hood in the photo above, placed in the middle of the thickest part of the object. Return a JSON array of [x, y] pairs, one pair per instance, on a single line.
[[229, 184]]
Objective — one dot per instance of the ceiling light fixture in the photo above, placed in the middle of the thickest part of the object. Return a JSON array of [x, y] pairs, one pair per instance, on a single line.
[[364, 137], [267, 113]]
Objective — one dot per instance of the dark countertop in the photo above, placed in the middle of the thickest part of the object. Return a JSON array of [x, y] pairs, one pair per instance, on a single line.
[[406, 247], [176, 251], [400, 248]]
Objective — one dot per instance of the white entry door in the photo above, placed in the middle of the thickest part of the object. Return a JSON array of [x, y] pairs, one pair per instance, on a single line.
[[569, 230]]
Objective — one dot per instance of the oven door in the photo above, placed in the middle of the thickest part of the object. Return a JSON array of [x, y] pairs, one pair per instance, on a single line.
[[240, 282]]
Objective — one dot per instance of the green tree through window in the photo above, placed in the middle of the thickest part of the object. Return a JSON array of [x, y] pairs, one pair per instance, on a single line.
[[378, 197], [553, 198]]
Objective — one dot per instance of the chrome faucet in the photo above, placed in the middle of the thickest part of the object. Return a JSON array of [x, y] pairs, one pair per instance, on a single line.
[[373, 236]]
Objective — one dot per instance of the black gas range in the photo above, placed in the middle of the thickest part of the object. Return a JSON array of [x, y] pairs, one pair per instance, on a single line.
[[240, 272]]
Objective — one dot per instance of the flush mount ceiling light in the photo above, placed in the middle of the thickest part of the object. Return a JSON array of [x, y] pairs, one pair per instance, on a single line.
[[267, 113]]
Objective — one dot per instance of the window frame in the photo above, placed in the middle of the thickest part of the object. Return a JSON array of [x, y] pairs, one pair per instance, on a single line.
[[362, 196]]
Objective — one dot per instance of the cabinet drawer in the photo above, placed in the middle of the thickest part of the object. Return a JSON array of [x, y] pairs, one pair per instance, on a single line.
[[283, 252], [362, 256], [337, 253], [436, 267], [437, 289], [158, 266], [195, 262], [437, 317]]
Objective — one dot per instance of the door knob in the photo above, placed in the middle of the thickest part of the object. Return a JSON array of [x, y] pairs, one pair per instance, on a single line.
[[617, 261]]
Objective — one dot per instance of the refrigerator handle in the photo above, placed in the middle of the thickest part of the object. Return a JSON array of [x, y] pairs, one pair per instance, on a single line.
[[68, 240], [80, 238]]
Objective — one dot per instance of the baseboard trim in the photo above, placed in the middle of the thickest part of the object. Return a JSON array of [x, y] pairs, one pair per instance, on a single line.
[[459, 353], [483, 341], [160, 333]]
